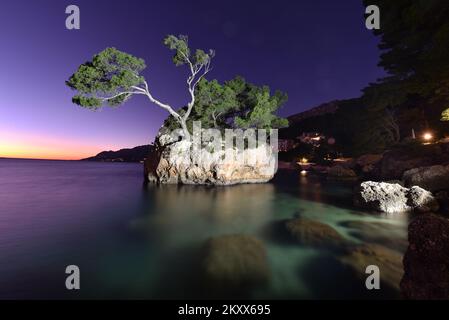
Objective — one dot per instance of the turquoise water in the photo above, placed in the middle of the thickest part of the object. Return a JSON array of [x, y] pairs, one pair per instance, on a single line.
[[133, 241]]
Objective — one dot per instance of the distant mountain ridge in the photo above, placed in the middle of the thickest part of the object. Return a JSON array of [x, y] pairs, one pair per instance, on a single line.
[[322, 109], [309, 120], [137, 154]]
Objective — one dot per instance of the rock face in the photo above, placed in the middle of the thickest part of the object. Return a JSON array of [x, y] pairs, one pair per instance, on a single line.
[[434, 178], [422, 200], [443, 199], [340, 172], [313, 233], [367, 163], [394, 163], [234, 261], [181, 163], [426, 262], [150, 165], [393, 198]]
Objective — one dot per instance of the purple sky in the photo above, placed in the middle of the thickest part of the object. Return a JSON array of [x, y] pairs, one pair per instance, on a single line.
[[316, 51]]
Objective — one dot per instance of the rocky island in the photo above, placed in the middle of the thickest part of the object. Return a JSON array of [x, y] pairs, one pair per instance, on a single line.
[[113, 77]]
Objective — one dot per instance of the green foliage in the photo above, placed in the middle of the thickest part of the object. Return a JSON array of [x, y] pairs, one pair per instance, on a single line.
[[234, 104], [445, 115], [414, 51], [260, 108], [213, 102], [181, 48], [112, 77], [106, 78], [414, 43], [88, 102], [182, 56], [414, 47]]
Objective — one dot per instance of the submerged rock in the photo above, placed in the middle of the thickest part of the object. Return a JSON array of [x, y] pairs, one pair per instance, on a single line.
[[380, 233], [389, 263], [426, 262], [181, 163], [313, 233], [235, 261], [434, 178], [394, 198]]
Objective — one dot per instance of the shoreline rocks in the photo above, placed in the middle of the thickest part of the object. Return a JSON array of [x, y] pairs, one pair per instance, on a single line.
[[395, 162], [426, 262], [368, 163], [394, 198], [434, 178], [340, 172]]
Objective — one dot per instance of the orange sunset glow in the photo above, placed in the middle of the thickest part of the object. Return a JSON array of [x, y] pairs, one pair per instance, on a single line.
[[28, 146]]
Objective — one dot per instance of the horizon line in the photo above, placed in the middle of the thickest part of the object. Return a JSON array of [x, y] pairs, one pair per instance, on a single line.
[[43, 159]]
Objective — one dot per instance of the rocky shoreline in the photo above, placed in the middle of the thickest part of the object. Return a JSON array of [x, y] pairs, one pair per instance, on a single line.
[[422, 188], [408, 179]]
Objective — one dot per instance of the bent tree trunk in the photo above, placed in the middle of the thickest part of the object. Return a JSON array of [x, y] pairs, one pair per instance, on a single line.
[[186, 132]]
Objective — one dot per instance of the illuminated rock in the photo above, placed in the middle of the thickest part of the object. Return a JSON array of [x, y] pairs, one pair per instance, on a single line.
[[180, 163], [394, 198]]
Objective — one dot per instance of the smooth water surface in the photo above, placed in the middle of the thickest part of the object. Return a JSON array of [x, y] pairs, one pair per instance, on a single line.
[[144, 242]]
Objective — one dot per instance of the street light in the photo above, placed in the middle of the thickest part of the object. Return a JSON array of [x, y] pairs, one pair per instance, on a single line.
[[427, 136]]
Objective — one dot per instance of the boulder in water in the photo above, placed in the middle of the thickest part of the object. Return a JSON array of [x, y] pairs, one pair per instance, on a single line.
[[313, 233], [389, 263], [235, 261]]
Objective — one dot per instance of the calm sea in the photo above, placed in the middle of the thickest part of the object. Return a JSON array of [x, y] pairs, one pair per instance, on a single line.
[[133, 241]]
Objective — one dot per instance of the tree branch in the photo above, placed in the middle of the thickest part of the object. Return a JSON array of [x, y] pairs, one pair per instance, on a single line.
[[160, 104], [206, 68], [120, 94], [139, 88]]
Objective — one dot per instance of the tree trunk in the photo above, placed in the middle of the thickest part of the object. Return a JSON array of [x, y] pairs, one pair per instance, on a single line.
[[186, 132]]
